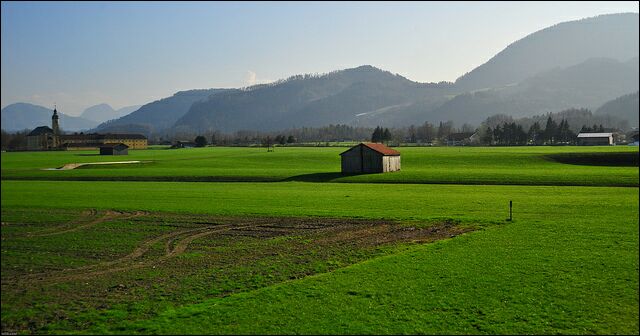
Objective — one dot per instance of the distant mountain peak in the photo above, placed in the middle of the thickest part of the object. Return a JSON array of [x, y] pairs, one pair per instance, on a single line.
[[564, 44], [19, 116]]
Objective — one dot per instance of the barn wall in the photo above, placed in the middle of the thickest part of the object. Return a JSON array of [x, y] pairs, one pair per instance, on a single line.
[[390, 163], [372, 161], [106, 151], [595, 141], [351, 161]]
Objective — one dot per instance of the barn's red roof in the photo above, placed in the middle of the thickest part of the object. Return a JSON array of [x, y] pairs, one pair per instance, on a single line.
[[380, 148]]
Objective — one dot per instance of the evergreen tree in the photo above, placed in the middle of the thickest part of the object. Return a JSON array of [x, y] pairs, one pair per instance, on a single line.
[[550, 131], [200, 141], [386, 135], [562, 131], [535, 133], [377, 135]]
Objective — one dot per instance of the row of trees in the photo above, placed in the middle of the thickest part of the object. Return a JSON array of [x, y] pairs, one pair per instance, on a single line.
[[495, 130], [14, 141], [512, 133]]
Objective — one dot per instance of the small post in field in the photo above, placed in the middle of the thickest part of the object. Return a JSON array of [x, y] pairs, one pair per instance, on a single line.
[[510, 211]]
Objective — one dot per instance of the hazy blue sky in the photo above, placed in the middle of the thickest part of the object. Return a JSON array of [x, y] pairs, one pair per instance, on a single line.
[[82, 54]]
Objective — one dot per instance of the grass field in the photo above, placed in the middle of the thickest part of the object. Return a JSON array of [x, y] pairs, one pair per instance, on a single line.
[[450, 165], [427, 251]]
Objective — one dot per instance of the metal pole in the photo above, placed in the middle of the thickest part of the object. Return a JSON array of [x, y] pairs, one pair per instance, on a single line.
[[510, 210]]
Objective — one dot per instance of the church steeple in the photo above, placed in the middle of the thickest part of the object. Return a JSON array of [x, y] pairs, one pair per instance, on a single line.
[[54, 122]]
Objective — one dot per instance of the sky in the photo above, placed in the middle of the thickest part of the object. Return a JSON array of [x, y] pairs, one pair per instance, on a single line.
[[79, 54]]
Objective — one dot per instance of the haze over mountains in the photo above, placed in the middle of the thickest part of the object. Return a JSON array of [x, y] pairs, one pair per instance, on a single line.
[[158, 115], [103, 112], [21, 116], [559, 46], [577, 64]]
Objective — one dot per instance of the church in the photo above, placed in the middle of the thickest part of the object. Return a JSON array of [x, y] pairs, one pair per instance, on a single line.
[[50, 138]]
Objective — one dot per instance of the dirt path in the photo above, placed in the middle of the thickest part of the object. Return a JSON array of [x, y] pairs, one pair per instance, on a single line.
[[70, 166], [340, 231], [108, 215], [129, 262], [84, 216]]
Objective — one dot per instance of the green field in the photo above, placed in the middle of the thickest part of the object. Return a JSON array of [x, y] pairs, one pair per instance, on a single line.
[[454, 165], [241, 241]]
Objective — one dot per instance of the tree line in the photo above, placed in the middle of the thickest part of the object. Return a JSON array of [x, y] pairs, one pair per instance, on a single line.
[[513, 134], [500, 130]]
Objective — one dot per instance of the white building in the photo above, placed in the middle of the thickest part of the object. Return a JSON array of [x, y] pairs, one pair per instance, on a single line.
[[595, 139]]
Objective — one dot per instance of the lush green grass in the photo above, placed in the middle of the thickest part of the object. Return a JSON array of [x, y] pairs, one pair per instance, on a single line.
[[563, 274], [567, 264], [459, 165], [364, 200], [271, 251]]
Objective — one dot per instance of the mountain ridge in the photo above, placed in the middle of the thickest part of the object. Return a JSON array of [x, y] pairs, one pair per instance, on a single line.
[[21, 116]]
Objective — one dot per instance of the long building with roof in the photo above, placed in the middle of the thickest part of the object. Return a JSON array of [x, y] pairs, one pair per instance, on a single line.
[[49, 138]]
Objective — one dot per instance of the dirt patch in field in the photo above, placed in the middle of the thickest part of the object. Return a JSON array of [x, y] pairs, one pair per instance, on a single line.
[[182, 259], [321, 232], [70, 166], [87, 219]]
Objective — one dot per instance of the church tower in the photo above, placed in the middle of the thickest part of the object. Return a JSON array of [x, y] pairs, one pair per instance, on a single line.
[[55, 126]]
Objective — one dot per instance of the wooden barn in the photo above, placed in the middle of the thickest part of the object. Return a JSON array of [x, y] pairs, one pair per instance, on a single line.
[[114, 149], [370, 158]]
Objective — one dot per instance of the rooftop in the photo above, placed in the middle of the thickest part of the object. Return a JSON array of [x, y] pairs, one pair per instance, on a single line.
[[594, 135], [41, 130], [378, 147], [117, 146]]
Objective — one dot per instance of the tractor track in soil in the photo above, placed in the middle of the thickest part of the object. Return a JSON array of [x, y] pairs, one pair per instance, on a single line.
[[129, 262], [88, 219], [342, 231]]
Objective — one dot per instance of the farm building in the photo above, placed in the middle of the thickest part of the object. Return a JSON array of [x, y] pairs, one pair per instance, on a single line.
[[595, 139], [41, 138], [51, 138], [370, 158], [114, 149]]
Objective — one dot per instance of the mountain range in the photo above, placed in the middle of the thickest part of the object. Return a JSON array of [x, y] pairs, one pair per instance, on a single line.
[[104, 112], [579, 64], [21, 116], [158, 115]]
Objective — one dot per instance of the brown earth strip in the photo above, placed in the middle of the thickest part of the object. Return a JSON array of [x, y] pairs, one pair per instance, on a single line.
[[128, 262], [108, 215], [332, 230], [84, 216]]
